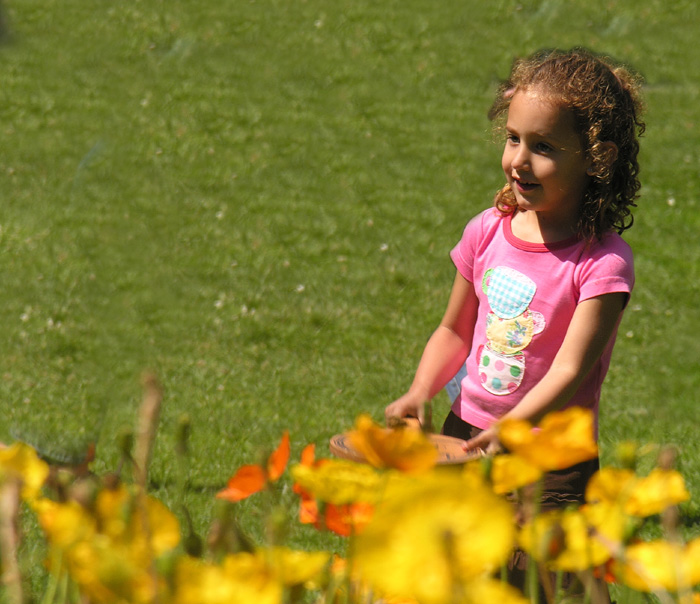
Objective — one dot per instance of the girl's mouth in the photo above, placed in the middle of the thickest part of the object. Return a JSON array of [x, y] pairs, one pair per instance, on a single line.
[[525, 187]]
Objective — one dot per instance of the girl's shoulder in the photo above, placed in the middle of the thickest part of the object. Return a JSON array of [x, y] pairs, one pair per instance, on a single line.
[[485, 221], [490, 215], [479, 232], [611, 243], [610, 258]]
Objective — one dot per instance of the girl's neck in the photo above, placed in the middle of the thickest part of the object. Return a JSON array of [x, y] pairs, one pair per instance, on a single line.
[[533, 227]]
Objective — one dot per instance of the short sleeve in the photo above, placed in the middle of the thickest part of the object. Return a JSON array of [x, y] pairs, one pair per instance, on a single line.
[[464, 252], [608, 269]]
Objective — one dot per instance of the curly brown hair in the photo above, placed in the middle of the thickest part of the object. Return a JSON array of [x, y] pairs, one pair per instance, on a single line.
[[604, 98]]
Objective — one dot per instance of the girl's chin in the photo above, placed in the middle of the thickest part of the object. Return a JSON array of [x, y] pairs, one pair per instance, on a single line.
[[523, 202]]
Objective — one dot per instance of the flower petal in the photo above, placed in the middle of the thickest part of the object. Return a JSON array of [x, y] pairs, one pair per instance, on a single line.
[[657, 491], [348, 519], [432, 531], [404, 449], [563, 439], [510, 472], [610, 485], [279, 458], [308, 511], [339, 481], [308, 455], [21, 462], [249, 479], [294, 567]]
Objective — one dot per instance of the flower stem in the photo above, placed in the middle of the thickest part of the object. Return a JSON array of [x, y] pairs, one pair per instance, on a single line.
[[9, 541]]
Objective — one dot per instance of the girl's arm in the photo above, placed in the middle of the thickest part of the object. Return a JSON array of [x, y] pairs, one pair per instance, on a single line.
[[588, 334], [445, 352]]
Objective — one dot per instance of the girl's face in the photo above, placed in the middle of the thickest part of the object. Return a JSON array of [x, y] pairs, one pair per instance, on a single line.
[[544, 160]]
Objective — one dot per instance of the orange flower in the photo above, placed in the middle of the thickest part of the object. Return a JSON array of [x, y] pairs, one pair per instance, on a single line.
[[563, 438], [277, 462], [342, 519], [251, 478], [403, 449], [348, 519], [308, 509]]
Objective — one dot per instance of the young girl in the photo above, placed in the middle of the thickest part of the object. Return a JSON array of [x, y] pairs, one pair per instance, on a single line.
[[544, 276]]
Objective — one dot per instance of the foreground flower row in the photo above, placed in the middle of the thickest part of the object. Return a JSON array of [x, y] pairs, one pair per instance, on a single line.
[[417, 532]]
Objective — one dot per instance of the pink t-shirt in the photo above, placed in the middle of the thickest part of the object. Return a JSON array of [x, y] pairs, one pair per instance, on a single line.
[[528, 293]]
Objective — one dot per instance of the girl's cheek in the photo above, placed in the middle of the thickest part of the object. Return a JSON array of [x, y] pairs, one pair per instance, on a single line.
[[505, 161]]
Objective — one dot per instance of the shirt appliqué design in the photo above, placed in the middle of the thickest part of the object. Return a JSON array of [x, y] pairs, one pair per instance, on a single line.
[[509, 291], [499, 373], [512, 335], [510, 327]]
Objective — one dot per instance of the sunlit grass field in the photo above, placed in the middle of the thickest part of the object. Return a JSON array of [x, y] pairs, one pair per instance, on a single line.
[[255, 199]]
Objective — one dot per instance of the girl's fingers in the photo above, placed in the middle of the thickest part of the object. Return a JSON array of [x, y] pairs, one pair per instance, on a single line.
[[473, 443], [487, 441]]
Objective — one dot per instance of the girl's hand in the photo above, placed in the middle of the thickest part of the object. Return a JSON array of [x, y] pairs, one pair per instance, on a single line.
[[406, 406], [487, 441]]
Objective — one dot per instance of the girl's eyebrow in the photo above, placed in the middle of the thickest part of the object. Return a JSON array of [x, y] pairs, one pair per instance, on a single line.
[[547, 135]]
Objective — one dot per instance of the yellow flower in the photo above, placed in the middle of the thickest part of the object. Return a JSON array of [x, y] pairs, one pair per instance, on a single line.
[[564, 438], [608, 523], [114, 511], [339, 481], [638, 496], [258, 577], [489, 590], [610, 485], [293, 567], [510, 472], [343, 580], [64, 524], [692, 552], [627, 452], [660, 565], [653, 494], [111, 572], [111, 554], [242, 577], [139, 519], [563, 539], [432, 534], [20, 462], [404, 449]]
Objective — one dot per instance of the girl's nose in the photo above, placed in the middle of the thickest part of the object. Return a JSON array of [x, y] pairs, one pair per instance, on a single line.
[[521, 158]]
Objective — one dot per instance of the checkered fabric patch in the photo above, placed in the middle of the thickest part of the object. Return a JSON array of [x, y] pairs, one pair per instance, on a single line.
[[509, 292]]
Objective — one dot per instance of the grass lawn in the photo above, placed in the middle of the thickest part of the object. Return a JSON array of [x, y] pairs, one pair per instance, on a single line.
[[256, 199]]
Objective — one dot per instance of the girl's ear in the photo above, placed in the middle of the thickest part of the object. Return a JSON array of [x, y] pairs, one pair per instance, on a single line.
[[610, 150], [609, 157]]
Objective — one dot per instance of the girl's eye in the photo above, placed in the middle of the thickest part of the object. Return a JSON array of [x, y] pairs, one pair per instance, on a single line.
[[544, 148], [511, 138]]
